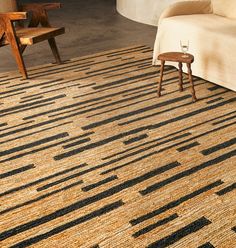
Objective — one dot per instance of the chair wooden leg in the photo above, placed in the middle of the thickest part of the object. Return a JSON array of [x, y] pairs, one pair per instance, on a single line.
[[180, 77], [191, 82], [19, 59], [54, 49], [22, 48], [161, 77]]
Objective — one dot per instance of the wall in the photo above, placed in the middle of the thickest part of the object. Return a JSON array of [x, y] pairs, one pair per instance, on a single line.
[[7, 5]]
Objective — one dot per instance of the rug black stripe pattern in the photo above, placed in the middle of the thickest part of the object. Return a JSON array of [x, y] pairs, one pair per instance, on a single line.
[[91, 157]]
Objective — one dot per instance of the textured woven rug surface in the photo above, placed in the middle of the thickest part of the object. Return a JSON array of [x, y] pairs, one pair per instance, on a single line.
[[90, 157]]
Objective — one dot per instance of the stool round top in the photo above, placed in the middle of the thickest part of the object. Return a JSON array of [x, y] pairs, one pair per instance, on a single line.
[[176, 57]]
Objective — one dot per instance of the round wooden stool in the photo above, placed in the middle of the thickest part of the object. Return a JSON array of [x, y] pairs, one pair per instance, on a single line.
[[180, 58]]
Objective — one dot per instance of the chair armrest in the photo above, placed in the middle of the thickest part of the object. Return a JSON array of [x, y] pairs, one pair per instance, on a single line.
[[37, 6], [187, 8], [7, 29], [14, 16]]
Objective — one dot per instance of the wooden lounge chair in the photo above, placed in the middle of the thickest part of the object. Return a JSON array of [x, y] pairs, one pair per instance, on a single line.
[[13, 31]]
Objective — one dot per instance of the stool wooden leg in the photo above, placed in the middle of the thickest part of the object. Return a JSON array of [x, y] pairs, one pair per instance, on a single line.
[[180, 77], [191, 82], [161, 77]]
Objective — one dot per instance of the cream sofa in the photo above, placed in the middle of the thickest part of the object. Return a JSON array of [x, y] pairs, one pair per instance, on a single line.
[[210, 27], [144, 11]]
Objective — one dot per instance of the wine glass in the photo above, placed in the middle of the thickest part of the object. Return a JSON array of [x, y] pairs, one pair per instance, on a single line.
[[184, 44]]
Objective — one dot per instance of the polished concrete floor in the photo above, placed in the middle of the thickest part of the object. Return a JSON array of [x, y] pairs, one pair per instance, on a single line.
[[91, 26]]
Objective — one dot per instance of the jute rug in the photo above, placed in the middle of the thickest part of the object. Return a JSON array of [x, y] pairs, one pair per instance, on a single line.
[[90, 157]]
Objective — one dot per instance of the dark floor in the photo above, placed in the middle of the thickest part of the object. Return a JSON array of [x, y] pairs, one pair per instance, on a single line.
[[91, 26]]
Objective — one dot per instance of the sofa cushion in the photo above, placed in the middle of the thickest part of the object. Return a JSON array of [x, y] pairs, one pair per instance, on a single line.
[[225, 8]]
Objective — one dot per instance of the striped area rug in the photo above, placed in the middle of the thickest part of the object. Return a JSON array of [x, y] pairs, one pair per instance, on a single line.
[[90, 157]]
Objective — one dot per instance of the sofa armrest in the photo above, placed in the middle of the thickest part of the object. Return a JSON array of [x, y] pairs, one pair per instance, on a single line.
[[187, 8]]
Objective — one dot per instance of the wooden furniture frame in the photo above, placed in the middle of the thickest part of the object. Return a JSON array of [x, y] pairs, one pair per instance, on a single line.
[[180, 58], [13, 32]]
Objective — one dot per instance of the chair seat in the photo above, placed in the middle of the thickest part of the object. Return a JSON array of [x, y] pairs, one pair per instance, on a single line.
[[30, 36]]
